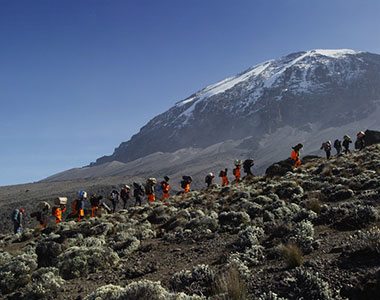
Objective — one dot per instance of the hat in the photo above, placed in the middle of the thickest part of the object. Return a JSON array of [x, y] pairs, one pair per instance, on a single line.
[[127, 186], [297, 147], [166, 178]]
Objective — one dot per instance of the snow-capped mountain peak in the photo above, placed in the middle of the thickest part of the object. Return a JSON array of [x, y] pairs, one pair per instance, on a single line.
[[270, 74], [325, 87]]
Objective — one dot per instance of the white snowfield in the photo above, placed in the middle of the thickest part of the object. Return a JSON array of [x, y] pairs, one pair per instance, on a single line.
[[266, 75]]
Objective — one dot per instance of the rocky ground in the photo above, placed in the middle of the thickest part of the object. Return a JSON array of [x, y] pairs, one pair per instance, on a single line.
[[309, 234]]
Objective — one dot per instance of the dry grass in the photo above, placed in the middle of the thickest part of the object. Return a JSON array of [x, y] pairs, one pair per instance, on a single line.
[[314, 205], [327, 171], [292, 255], [230, 286]]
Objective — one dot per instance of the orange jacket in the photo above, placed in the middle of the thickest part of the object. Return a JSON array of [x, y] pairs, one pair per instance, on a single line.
[[225, 180], [187, 188], [57, 213], [165, 187], [237, 173], [151, 197], [294, 155]]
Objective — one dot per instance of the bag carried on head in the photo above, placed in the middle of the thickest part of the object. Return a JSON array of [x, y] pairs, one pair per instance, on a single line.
[[237, 162], [151, 181], [248, 163], [60, 201]]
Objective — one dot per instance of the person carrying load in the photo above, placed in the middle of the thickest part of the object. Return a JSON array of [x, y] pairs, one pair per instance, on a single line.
[[346, 144], [295, 155], [149, 189], [18, 219], [223, 175], [185, 183], [165, 186], [247, 165], [236, 171], [209, 178], [124, 195], [138, 192], [82, 196], [326, 146], [42, 214], [59, 208], [95, 203], [360, 141]]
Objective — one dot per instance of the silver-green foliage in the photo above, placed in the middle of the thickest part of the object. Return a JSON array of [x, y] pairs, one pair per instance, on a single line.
[[80, 261], [198, 281], [46, 284], [17, 272]]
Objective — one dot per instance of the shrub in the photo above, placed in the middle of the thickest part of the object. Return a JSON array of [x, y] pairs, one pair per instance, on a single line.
[[230, 286], [107, 292], [349, 216], [292, 255], [140, 290], [303, 236], [310, 286], [80, 261], [270, 296], [127, 246], [47, 253], [252, 256], [314, 205], [46, 284], [17, 272], [197, 281], [249, 237], [202, 224], [145, 290], [4, 257], [369, 239], [236, 263], [233, 221]]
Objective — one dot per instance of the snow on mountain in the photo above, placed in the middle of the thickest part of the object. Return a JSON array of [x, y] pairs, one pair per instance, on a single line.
[[268, 74], [323, 87]]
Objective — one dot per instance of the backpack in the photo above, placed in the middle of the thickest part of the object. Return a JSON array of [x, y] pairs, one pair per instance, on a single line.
[[141, 189], [187, 179], [15, 215], [82, 194], [248, 163], [347, 138], [326, 146], [183, 184], [337, 144]]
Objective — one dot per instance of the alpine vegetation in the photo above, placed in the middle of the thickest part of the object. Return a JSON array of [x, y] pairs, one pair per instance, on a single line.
[[304, 234]]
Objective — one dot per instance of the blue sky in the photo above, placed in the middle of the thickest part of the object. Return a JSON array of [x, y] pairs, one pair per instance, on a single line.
[[78, 77]]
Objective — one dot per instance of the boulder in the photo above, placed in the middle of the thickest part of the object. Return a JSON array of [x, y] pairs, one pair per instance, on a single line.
[[280, 168], [372, 137]]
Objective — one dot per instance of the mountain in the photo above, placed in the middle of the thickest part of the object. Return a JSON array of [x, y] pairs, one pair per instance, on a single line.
[[307, 91]]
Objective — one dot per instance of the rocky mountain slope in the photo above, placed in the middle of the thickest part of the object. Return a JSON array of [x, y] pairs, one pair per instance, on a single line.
[[305, 91], [312, 234]]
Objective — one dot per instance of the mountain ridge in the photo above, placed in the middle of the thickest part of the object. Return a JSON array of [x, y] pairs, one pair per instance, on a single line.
[[331, 83]]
